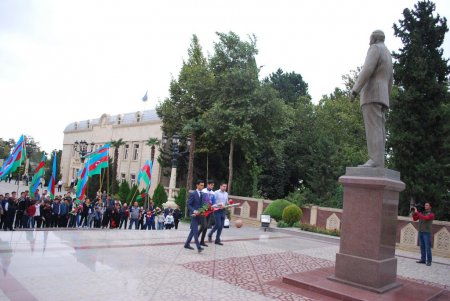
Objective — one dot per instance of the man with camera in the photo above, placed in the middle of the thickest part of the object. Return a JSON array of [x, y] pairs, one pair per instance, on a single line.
[[425, 221]]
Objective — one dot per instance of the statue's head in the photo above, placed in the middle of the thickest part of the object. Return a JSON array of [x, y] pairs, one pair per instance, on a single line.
[[376, 37]]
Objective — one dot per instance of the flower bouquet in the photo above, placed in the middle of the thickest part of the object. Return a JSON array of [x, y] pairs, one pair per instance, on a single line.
[[205, 210]]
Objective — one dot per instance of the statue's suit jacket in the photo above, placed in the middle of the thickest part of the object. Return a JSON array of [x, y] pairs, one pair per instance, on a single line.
[[374, 82]]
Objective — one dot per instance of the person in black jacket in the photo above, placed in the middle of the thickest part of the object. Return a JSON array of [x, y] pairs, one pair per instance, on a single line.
[[176, 217], [10, 211]]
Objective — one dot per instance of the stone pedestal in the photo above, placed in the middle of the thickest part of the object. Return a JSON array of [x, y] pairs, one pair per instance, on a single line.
[[172, 184], [366, 258]]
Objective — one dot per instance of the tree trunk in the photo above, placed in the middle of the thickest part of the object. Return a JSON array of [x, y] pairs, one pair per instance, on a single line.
[[230, 165], [190, 174], [114, 171], [152, 154]]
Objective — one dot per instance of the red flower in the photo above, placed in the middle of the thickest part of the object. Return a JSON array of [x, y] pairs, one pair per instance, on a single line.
[[231, 202]]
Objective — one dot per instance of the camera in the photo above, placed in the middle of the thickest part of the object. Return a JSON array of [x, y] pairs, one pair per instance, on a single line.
[[419, 207]]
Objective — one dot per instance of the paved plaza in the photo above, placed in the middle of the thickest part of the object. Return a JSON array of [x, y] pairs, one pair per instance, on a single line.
[[153, 265]]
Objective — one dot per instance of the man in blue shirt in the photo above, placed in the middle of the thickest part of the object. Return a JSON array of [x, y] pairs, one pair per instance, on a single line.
[[221, 200]]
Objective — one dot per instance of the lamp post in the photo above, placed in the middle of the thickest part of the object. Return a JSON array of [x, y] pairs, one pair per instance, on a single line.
[[82, 148], [175, 143]]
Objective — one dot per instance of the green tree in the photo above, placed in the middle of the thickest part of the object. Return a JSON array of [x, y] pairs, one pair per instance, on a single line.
[[418, 124], [116, 144], [124, 191], [152, 142], [159, 196], [133, 194], [180, 200], [190, 96], [235, 82], [291, 86]]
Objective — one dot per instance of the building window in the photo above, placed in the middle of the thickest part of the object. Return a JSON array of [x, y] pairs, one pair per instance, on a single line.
[[126, 148], [138, 117], [136, 152], [119, 119], [132, 179], [122, 177], [88, 124], [76, 126]]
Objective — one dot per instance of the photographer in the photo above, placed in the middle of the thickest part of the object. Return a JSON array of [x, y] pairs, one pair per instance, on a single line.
[[425, 221]]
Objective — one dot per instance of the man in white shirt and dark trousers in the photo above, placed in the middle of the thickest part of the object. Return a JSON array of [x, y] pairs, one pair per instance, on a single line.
[[221, 200]]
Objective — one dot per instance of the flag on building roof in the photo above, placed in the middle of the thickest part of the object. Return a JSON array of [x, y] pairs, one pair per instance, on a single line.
[[14, 160], [38, 174], [51, 182], [144, 99], [145, 174]]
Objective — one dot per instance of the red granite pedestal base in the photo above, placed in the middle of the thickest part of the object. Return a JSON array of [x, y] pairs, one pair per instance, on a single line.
[[366, 257], [317, 282]]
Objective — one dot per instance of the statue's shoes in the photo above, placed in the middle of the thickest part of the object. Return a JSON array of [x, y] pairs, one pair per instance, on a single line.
[[369, 163]]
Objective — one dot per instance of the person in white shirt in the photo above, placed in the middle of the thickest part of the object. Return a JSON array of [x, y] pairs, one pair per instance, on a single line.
[[169, 222], [206, 221], [221, 200], [60, 185], [37, 215]]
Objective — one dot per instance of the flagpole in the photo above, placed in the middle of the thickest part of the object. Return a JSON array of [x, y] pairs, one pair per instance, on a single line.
[[107, 179], [134, 195], [101, 173], [147, 199], [18, 183]]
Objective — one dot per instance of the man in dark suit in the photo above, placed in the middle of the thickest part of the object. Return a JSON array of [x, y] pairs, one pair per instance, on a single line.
[[194, 203], [374, 83]]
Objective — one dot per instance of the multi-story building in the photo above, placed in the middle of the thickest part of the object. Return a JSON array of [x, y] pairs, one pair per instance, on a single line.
[[135, 129]]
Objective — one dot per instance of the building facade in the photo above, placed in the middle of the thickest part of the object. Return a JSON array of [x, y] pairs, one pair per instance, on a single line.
[[135, 129]]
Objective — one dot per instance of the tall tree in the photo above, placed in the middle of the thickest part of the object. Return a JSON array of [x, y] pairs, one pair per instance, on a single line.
[[116, 144], [190, 96], [419, 121], [291, 86], [152, 142], [236, 80]]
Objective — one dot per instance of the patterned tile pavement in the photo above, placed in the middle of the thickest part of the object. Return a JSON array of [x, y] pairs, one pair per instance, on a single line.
[[153, 265]]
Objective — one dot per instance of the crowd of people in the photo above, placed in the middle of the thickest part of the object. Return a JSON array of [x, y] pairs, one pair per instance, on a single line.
[[40, 211]]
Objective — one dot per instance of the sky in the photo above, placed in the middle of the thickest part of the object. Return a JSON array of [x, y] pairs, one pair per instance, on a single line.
[[63, 61]]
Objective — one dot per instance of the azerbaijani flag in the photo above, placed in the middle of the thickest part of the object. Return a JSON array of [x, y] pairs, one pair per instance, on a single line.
[[141, 196], [38, 173], [14, 160], [51, 183], [98, 160], [83, 176], [146, 174]]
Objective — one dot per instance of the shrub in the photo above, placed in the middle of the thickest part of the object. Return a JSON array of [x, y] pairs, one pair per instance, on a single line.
[[141, 198], [275, 209], [311, 228], [282, 224], [159, 196], [292, 214], [300, 197], [124, 190], [132, 194], [180, 200]]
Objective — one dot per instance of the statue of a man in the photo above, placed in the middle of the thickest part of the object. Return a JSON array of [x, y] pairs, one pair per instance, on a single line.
[[374, 83]]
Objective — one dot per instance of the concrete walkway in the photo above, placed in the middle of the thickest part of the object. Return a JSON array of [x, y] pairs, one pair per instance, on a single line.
[[153, 265]]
